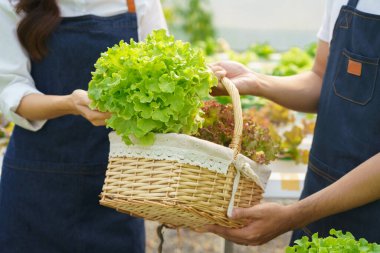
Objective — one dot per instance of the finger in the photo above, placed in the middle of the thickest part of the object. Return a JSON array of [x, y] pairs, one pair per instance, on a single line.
[[202, 229], [250, 213], [220, 74], [95, 115], [214, 64], [106, 115], [219, 71], [94, 112], [215, 229], [233, 233], [99, 123], [99, 115]]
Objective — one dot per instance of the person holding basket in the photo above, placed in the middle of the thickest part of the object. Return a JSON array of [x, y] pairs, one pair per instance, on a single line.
[[342, 189]]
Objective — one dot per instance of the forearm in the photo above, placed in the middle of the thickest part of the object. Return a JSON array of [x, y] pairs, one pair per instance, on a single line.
[[40, 107], [299, 92], [359, 187]]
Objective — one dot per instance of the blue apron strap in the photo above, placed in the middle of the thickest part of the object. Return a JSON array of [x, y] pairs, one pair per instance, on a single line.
[[131, 6], [353, 3]]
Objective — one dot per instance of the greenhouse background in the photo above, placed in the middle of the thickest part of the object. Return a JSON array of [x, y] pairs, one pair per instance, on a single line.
[[282, 24]]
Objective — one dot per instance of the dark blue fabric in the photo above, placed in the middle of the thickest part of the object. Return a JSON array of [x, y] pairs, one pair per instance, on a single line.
[[52, 178], [347, 132], [353, 3]]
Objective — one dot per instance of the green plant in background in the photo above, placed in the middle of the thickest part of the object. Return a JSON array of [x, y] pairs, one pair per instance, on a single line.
[[263, 50], [247, 101], [277, 114], [242, 57], [311, 49], [289, 146], [6, 129], [275, 117], [197, 20], [338, 242], [154, 86], [209, 45], [293, 62], [193, 18]]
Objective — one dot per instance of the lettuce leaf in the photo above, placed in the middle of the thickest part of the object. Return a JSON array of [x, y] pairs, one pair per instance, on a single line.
[[154, 86], [338, 242]]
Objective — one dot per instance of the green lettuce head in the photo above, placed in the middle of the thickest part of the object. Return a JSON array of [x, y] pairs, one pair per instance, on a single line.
[[154, 86]]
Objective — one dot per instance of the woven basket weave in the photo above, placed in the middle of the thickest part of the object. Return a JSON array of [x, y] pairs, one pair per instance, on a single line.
[[178, 194]]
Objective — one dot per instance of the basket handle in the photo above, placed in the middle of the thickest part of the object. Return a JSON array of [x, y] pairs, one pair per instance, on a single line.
[[238, 115], [236, 138]]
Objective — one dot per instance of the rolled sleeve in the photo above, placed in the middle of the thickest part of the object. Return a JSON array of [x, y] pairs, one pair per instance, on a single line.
[[15, 79], [10, 99]]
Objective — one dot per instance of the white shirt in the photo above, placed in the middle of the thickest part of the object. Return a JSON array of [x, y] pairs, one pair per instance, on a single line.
[[332, 11], [15, 79]]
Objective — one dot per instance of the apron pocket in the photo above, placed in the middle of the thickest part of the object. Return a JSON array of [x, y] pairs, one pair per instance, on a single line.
[[355, 78], [325, 171]]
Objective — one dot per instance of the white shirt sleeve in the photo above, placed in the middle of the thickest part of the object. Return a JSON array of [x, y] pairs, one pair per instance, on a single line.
[[324, 30], [149, 16], [15, 79]]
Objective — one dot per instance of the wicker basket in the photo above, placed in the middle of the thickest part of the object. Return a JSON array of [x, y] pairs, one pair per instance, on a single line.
[[178, 194]]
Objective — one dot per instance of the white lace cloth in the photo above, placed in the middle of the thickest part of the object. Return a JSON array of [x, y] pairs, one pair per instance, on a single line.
[[190, 150]]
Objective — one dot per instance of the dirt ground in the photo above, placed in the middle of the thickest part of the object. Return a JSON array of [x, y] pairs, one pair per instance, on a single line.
[[186, 241]]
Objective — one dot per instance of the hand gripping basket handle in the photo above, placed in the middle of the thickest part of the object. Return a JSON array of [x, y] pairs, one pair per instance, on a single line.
[[236, 138], [238, 115]]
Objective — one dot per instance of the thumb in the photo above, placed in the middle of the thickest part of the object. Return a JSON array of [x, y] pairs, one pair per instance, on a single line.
[[245, 213], [82, 97]]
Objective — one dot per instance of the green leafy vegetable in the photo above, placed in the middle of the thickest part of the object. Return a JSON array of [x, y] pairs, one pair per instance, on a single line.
[[156, 86], [337, 243]]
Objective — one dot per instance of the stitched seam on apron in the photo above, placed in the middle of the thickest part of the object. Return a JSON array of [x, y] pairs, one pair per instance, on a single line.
[[321, 173], [346, 25], [307, 231], [336, 26], [358, 60], [360, 15]]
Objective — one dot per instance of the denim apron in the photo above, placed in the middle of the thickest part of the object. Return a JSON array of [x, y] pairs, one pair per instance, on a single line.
[[51, 179], [348, 125]]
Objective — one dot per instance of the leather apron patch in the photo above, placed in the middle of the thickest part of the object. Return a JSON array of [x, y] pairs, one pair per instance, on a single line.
[[354, 67]]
